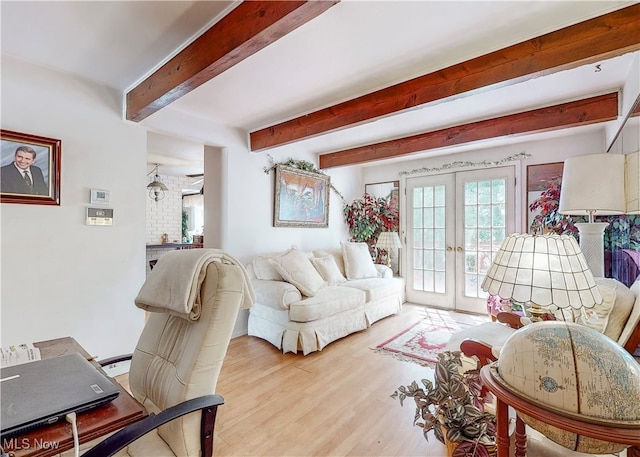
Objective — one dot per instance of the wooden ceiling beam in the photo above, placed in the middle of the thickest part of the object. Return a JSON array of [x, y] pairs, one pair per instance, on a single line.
[[590, 41], [582, 112], [249, 27]]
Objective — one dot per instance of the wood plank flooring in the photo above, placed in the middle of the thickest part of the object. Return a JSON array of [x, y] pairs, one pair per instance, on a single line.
[[330, 403]]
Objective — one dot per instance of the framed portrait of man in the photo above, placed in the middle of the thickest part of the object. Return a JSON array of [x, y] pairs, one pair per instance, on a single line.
[[29, 169]]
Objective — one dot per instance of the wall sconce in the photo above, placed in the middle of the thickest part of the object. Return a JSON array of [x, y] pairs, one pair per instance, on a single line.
[[156, 187]]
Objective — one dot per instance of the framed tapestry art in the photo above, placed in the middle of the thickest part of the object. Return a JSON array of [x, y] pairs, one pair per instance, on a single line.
[[29, 169], [301, 198]]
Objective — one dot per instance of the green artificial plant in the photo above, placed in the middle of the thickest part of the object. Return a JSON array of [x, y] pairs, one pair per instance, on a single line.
[[369, 216], [453, 407]]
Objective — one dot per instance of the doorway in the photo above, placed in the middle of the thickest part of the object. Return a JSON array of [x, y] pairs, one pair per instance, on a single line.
[[456, 222]]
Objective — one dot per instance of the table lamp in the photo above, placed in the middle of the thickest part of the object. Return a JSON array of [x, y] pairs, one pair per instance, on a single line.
[[593, 185], [542, 270], [388, 241]]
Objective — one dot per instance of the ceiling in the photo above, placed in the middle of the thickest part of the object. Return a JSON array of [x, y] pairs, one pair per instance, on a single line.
[[353, 48]]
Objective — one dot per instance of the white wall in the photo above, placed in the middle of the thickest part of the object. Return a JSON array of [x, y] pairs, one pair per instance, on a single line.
[[60, 277]]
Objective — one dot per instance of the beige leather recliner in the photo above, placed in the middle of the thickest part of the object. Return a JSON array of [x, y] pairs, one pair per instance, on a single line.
[[180, 353]]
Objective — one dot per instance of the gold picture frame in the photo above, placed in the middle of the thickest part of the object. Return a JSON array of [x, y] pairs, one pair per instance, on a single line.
[[301, 198]]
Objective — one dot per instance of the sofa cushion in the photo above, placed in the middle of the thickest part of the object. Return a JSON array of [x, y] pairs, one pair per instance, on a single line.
[[377, 288], [328, 301], [296, 268], [265, 270], [358, 263], [328, 269], [623, 304], [608, 317], [337, 255], [634, 316]]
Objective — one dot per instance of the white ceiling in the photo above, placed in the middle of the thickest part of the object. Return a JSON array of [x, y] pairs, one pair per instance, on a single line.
[[353, 48]]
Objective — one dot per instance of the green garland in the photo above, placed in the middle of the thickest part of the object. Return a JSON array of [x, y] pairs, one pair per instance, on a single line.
[[301, 165]]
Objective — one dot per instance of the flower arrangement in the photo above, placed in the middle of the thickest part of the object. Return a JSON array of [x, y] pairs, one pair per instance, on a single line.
[[453, 407]]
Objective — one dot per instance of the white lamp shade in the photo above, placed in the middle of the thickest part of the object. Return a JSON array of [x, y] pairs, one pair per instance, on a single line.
[[388, 240], [632, 182], [543, 269], [593, 183]]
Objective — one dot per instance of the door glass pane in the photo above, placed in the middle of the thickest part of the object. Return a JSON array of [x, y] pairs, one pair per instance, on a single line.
[[499, 189], [417, 238], [417, 218], [470, 193], [471, 239], [417, 197], [428, 239], [439, 238], [428, 197], [439, 214], [485, 226], [428, 218]]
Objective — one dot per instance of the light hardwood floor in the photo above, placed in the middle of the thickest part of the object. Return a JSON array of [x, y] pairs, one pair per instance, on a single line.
[[331, 403], [335, 402]]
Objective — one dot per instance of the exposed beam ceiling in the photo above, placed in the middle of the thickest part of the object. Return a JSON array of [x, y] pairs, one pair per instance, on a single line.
[[249, 27], [599, 38], [582, 112]]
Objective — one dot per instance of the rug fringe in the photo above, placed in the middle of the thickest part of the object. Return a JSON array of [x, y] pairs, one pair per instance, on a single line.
[[403, 357]]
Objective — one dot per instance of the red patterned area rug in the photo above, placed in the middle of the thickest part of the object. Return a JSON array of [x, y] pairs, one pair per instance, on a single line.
[[422, 342]]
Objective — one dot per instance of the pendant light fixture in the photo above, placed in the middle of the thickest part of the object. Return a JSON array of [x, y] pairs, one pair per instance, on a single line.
[[156, 187]]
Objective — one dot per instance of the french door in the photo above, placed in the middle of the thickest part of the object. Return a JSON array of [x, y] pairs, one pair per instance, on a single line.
[[456, 222]]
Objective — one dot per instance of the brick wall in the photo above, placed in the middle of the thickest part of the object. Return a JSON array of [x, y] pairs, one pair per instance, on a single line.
[[165, 216]]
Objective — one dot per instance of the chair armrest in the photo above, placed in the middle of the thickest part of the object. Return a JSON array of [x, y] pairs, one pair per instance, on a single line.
[[275, 294], [208, 404], [480, 349], [512, 320], [383, 271], [114, 359]]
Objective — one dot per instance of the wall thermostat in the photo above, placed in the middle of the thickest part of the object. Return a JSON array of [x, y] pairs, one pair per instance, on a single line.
[[99, 216]]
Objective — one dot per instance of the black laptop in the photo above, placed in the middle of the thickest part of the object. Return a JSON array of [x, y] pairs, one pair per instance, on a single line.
[[45, 391]]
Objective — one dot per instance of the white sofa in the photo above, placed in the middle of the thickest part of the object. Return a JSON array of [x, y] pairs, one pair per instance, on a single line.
[[306, 300]]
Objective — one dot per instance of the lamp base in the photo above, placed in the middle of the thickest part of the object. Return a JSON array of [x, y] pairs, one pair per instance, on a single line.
[[592, 245]]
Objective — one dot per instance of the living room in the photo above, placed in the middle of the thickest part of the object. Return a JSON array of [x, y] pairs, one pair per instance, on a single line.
[[63, 277], [80, 264]]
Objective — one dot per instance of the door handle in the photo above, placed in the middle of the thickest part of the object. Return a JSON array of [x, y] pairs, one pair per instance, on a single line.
[[459, 249], [449, 249]]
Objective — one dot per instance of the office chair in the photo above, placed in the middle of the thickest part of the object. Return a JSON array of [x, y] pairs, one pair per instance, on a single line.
[[194, 297]]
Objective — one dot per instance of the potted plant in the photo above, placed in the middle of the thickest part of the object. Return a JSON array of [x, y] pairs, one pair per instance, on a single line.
[[370, 216], [454, 408]]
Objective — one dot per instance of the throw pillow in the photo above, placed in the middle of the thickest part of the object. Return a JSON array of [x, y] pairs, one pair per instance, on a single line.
[[265, 270], [358, 263], [328, 269], [336, 254], [609, 316], [621, 308], [296, 268]]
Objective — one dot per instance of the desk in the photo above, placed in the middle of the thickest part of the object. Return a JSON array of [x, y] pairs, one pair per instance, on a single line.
[[53, 439], [504, 399]]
